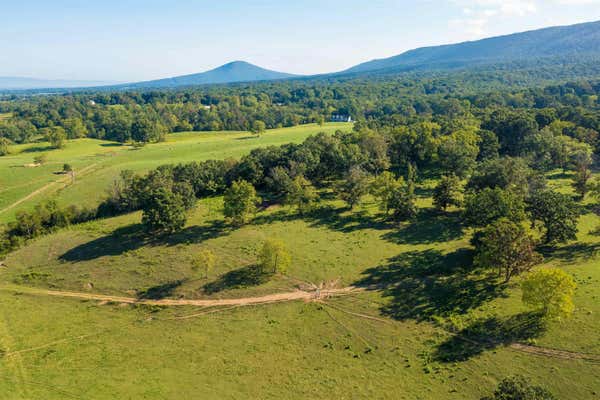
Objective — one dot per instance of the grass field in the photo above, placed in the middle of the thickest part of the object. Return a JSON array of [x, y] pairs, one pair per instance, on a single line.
[[97, 163], [421, 289]]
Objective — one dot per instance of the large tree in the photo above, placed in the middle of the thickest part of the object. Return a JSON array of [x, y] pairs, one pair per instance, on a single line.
[[550, 291], [447, 193], [301, 194], [163, 210], [384, 187], [274, 257], [489, 205], [354, 186], [558, 214], [240, 202], [506, 246]]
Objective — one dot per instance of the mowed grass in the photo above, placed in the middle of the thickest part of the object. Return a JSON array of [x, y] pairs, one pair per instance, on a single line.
[[97, 163], [420, 287]]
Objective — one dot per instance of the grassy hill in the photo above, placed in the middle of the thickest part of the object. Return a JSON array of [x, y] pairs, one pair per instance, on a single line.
[[97, 163], [427, 327]]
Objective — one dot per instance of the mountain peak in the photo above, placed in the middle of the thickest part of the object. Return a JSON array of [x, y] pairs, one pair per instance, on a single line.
[[234, 71]]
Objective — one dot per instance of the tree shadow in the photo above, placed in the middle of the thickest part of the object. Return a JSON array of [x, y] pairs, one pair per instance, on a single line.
[[346, 222], [426, 284], [331, 217], [159, 292], [37, 149], [430, 226], [572, 252], [135, 236], [488, 334], [241, 278]]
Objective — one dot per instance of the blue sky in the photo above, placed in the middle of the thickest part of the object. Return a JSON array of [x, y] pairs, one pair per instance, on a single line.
[[130, 40]]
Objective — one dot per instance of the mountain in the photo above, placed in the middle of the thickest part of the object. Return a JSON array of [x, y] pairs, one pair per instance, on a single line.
[[20, 83], [579, 40], [237, 71]]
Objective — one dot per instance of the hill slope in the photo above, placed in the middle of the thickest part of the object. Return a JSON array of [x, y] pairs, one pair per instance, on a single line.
[[563, 41], [236, 71]]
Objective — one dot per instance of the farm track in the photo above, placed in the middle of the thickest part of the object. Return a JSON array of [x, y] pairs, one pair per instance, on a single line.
[[271, 298], [316, 295]]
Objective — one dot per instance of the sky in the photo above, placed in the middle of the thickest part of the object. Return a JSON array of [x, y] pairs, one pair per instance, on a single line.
[[133, 40]]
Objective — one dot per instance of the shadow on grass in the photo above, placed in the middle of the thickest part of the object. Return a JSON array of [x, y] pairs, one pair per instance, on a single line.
[[135, 236], [430, 226], [241, 278], [37, 149], [488, 334], [421, 285], [160, 291], [572, 252]]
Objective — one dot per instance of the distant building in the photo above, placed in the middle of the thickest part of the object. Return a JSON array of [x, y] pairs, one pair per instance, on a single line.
[[92, 103], [341, 118]]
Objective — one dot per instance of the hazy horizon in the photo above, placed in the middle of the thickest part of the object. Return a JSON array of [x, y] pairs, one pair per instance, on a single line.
[[130, 41]]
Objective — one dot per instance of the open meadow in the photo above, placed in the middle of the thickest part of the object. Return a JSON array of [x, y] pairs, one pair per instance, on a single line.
[[421, 324], [97, 163]]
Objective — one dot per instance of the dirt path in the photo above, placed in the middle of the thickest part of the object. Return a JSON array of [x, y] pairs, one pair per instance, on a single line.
[[46, 187], [554, 353], [271, 298], [305, 295]]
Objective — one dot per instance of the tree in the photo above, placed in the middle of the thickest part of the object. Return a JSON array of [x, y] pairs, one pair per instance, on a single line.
[[67, 168], [581, 180], [581, 160], [40, 159], [354, 186], [240, 202], [505, 245], [57, 136], [258, 127], [75, 128], [558, 213], [447, 192], [505, 173], [4, 143], [458, 152], [206, 260], [489, 205], [274, 257], [519, 388], [384, 187], [163, 210], [550, 291], [301, 194], [146, 130], [488, 145]]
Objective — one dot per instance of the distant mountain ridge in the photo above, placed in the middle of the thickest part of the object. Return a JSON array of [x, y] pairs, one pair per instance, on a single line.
[[236, 71], [550, 46], [20, 83], [561, 41]]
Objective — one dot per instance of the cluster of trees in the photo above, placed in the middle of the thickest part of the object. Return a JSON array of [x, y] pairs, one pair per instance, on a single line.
[[518, 117], [43, 219]]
